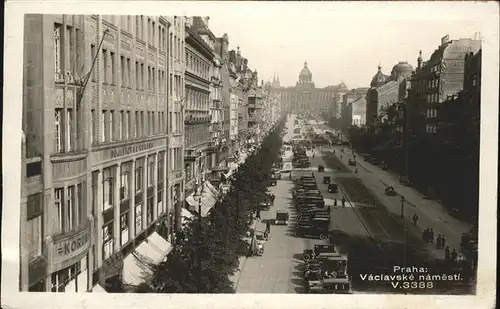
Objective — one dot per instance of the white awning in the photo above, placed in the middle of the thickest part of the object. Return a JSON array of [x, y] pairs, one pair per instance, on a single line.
[[207, 201], [138, 266], [185, 214], [98, 289]]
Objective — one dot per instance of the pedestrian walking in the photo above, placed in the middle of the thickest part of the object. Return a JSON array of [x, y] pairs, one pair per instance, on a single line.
[[343, 201], [454, 255], [438, 242], [447, 253], [356, 171], [335, 202], [257, 215], [415, 219], [268, 226]]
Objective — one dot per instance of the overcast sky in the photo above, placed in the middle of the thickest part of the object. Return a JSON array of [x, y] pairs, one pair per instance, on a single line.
[[339, 43]]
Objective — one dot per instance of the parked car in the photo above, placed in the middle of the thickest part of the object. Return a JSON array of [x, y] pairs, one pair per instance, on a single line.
[[352, 162], [321, 168], [281, 217], [333, 188], [327, 180]]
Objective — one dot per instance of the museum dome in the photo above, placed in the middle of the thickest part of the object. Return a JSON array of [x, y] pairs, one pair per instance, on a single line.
[[379, 78], [403, 68], [305, 75]]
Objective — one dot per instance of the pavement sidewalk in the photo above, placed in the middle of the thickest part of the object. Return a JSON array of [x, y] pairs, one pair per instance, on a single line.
[[235, 278], [431, 214]]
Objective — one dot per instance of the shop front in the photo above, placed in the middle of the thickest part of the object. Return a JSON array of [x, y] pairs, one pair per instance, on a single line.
[[138, 265], [203, 200], [69, 260]]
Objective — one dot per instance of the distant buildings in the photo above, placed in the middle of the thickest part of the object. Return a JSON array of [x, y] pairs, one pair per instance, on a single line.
[[439, 77], [306, 98], [123, 118], [384, 91]]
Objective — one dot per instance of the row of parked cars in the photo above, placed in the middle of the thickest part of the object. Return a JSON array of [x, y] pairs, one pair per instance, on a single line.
[[313, 219], [300, 158], [325, 270]]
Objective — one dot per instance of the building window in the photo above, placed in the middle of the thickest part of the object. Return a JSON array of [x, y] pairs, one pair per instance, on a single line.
[[107, 240], [125, 181], [124, 228], [71, 209], [105, 66], [120, 117], [138, 176], [103, 126], [58, 203], [107, 188], [57, 52], [69, 122], [91, 126], [111, 115], [113, 68], [138, 218], [474, 80], [61, 279], [34, 233], [57, 129], [150, 206], [151, 171]]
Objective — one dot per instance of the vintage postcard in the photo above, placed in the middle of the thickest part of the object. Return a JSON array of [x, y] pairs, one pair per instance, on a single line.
[[250, 155]]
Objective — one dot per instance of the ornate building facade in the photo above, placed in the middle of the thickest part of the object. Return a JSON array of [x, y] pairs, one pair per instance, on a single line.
[[304, 97], [97, 165]]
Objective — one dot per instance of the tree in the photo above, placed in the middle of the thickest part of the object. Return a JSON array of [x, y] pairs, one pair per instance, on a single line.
[[220, 244]]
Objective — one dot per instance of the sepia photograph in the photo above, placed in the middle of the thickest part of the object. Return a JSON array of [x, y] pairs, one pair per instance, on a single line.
[[306, 149]]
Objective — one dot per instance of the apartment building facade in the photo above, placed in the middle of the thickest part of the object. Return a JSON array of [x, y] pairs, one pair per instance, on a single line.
[[98, 163], [200, 194]]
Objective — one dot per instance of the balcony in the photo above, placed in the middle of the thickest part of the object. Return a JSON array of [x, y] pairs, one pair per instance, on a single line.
[[190, 155]]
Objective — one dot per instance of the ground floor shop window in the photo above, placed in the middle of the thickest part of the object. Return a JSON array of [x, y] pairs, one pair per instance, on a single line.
[[150, 206], [138, 219], [64, 280], [159, 205], [124, 228], [107, 240]]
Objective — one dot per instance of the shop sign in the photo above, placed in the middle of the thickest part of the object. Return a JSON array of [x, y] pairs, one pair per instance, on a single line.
[[116, 152], [71, 246]]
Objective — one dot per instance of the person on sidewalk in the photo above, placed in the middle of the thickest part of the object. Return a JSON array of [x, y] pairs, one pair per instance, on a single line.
[[268, 226], [257, 215], [356, 171], [438, 242], [447, 253], [415, 219], [335, 202], [454, 255], [343, 201]]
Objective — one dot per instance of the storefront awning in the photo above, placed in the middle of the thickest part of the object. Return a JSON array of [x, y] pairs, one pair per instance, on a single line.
[[185, 214], [138, 266], [98, 289], [208, 199]]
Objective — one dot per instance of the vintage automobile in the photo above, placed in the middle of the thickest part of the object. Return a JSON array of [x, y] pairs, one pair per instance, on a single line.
[[261, 243], [327, 180], [390, 191], [281, 217], [318, 250], [321, 168], [273, 181], [317, 228], [352, 162], [265, 205], [333, 188]]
